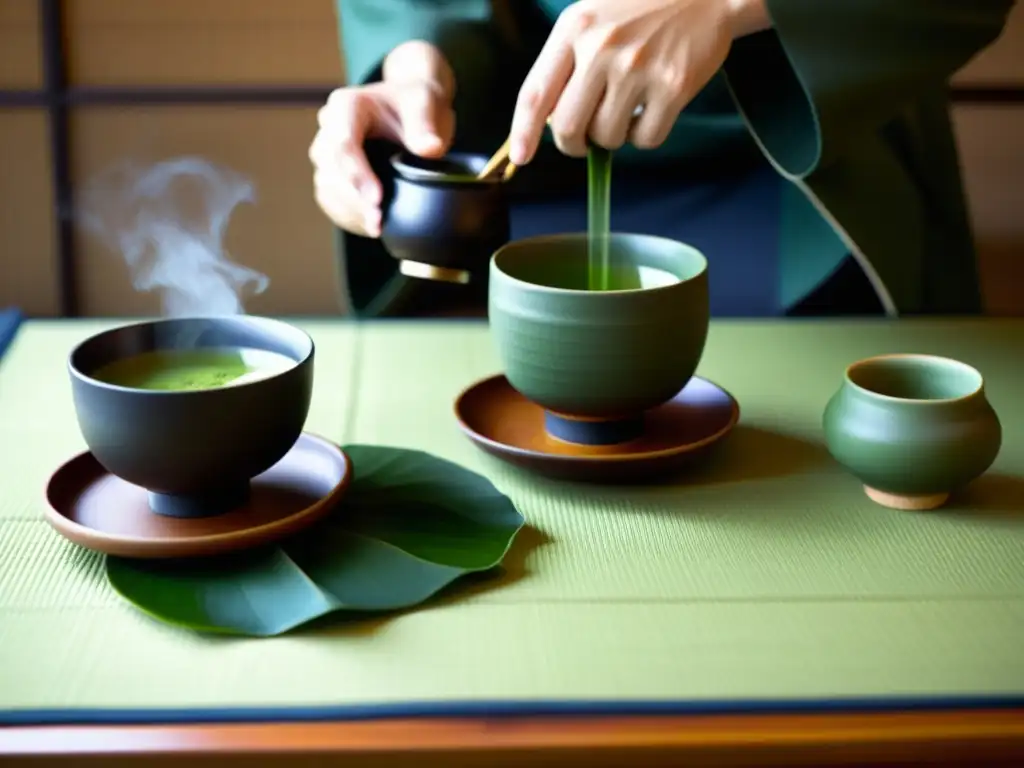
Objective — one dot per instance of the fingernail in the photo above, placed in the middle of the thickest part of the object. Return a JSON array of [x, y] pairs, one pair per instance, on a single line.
[[517, 153]]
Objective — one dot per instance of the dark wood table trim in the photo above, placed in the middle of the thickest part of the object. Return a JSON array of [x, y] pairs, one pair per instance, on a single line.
[[952, 737]]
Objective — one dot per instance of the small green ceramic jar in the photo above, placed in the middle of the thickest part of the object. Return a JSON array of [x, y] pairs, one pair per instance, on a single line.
[[598, 357], [912, 428]]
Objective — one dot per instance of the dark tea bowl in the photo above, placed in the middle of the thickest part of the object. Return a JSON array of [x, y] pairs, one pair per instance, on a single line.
[[195, 451], [441, 222], [597, 360], [912, 428]]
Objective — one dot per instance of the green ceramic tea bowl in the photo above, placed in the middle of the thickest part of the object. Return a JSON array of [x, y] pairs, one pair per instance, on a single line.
[[596, 360], [912, 428]]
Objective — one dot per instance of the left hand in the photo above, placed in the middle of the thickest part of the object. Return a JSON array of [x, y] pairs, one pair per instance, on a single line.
[[606, 58]]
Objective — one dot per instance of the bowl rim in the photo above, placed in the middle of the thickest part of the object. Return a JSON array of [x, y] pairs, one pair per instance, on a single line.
[[495, 265], [258, 319], [409, 172], [947, 362]]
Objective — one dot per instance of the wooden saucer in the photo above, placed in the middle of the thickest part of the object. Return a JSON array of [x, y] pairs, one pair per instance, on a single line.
[[507, 425], [99, 511]]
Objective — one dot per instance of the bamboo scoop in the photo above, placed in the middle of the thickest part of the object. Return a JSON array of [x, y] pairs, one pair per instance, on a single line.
[[499, 164], [500, 158]]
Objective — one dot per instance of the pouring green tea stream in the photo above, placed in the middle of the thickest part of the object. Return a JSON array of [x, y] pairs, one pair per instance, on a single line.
[[599, 179], [607, 270]]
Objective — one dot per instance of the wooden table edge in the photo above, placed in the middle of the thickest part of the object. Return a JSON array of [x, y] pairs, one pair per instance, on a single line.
[[977, 732]]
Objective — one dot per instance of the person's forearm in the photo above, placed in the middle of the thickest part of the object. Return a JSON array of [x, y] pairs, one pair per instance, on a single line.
[[748, 17], [419, 60]]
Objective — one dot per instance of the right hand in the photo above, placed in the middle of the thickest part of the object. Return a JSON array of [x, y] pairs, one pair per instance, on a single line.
[[411, 106]]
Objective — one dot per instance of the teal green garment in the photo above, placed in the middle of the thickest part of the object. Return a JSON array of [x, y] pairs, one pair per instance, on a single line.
[[846, 98]]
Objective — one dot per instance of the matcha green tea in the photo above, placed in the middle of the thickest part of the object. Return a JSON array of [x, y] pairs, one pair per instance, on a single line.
[[599, 181], [625, 277], [192, 369], [619, 277], [572, 272]]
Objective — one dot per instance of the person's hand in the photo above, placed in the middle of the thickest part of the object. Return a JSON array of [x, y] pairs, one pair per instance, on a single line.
[[412, 106], [607, 59]]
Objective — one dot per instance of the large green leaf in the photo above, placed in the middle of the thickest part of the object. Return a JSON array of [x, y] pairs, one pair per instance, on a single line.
[[409, 525]]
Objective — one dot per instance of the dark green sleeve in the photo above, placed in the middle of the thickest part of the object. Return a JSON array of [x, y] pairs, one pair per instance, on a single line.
[[829, 70], [371, 28], [474, 37]]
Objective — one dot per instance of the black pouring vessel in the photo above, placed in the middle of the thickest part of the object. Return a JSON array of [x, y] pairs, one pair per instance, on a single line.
[[441, 222], [194, 451]]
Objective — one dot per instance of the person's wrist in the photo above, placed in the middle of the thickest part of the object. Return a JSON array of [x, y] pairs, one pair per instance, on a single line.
[[418, 61], [747, 17]]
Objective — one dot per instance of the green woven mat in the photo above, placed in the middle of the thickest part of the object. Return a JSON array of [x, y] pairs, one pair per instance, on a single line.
[[769, 575]]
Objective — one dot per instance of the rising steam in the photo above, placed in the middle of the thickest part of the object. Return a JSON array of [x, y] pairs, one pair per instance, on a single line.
[[168, 222]]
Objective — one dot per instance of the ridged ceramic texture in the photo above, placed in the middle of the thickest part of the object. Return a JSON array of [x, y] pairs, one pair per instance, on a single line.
[[603, 354], [913, 447]]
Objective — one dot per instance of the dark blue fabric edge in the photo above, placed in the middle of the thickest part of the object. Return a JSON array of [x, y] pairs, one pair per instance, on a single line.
[[507, 709], [10, 320]]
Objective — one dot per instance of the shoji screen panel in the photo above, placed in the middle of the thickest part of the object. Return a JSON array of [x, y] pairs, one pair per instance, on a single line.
[[282, 234], [190, 45], [28, 271], [20, 56], [202, 42], [27, 267]]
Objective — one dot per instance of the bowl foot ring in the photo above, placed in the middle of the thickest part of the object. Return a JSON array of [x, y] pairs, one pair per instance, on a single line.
[[920, 503], [430, 272], [593, 431], [195, 505]]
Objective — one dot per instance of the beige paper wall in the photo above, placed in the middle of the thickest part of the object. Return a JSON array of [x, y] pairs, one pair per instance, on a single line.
[[204, 42], [20, 62], [28, 273], [261, 42], [282, 235]]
